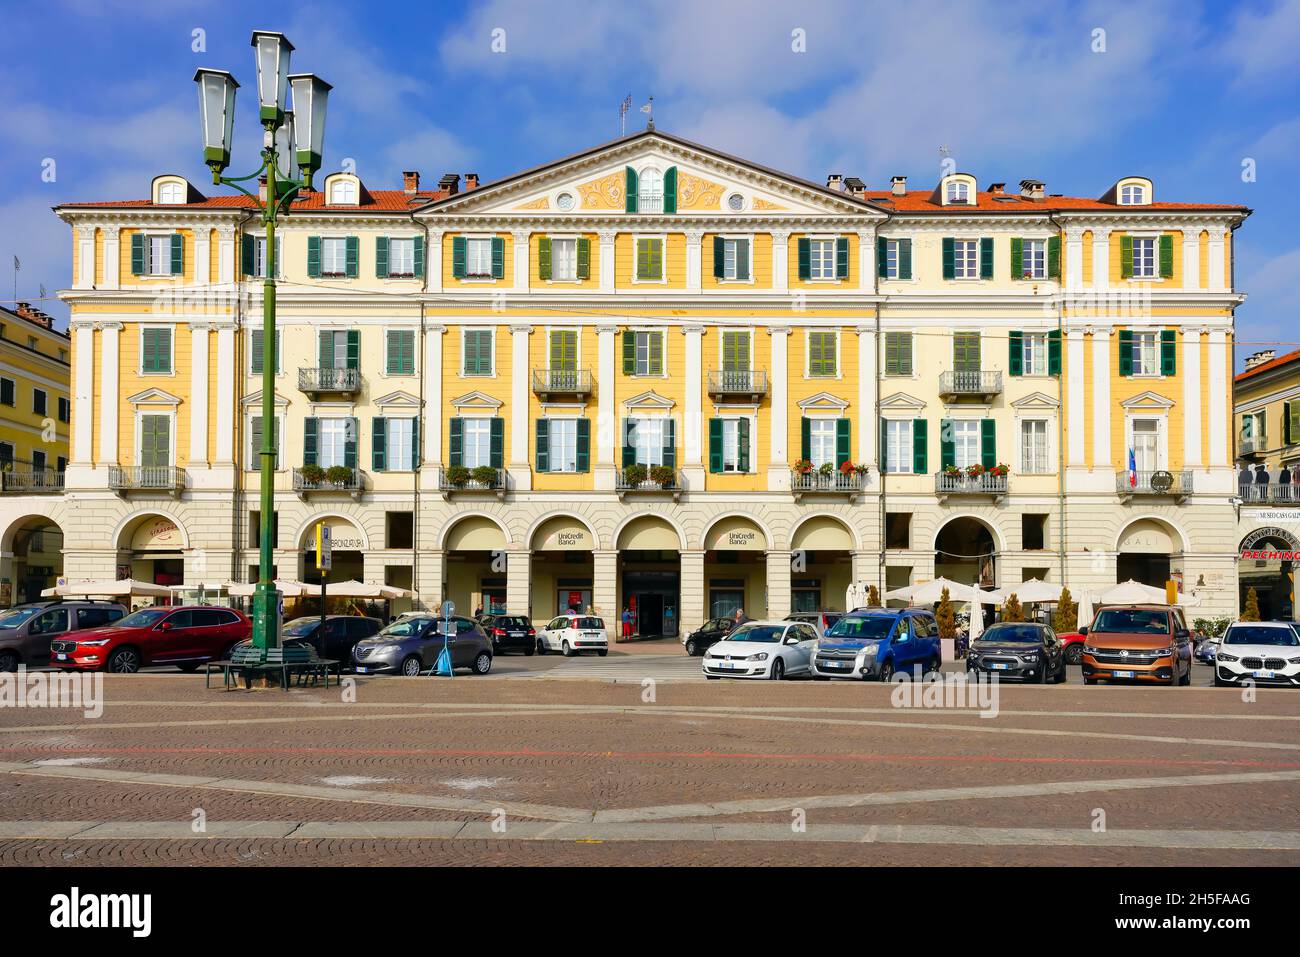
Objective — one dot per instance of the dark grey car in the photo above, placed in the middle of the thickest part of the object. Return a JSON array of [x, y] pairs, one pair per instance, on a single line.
[[26, 630], [411, 645]]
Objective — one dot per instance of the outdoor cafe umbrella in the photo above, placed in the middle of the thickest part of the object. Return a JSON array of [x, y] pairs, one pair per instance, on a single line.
[[287, 587], [122, 588], [1134, 592], [1028, 592], [931, 592]]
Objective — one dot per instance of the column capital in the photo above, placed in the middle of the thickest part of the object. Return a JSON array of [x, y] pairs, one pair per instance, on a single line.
[[779, 331], [516, 330], [82, 325], [86, 231], [694, 236], [436, 328], [606, 329], [781, 235], [521, 235], [865, 330], [606, 235], [693, 328], [108, 325]]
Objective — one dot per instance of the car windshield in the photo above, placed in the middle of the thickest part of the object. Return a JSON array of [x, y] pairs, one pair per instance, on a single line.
[[765, 633], [1027, 634], [1260, 635], [510, 622], [862, 626], [1133, 621], [143, 618], [405, 628], [587, 623], [16, 616], [300, 627]]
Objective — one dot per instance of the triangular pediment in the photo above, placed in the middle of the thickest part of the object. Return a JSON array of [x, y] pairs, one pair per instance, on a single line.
[[593, 183], [254, 399], [153, 397], [648, 401], [399, 400], [823, 401], [1148, 400], [902, 402], [476, 400], [1036, 400]]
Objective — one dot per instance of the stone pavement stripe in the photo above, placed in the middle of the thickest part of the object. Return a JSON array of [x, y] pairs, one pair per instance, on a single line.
[[878, 798], [76, 831]]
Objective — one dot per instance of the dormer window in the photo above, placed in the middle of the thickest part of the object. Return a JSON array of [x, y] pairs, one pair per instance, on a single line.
[[343, 192], [650, 194], [171, 194], [958, 191], [1133, 194]]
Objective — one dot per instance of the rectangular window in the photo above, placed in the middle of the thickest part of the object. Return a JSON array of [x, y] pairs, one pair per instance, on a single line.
[[256, 352], [891, 259], [332, 439], [731, 259], [898, 445], [731, 446], [898, 353], [156, 350], [898, 529], [65, 410], [6, 392], [966, 351], [400, 446], [1033, 532], [155, 441], [38, 460], [1033, 447], [821, 442], [1144, 258], [477, 438], [562, 435], [650, 353], [1146, 445], [160, 255], [966, 442], [478, 258], [40, 401], [650, 259], [1034, 353], [259, 257], [255, 443], [401, 352], [478, 352], [564, 350], [334, 257], [564, 259], [1146, 353], [647, 437], [1033, 259], [401, 258], [736, 351], [6, 453], [821, 259], [965, 259], [823, 354]]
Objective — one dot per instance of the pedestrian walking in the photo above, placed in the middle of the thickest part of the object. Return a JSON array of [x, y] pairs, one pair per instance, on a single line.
[[627, 622]]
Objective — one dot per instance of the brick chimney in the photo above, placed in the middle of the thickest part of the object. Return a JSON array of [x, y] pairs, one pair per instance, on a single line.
[[26, 311], [449, 183], [471, 181], [997, 189], [835, 181], [411, 181], [1033, 189], [898, 185], [1258, 359]]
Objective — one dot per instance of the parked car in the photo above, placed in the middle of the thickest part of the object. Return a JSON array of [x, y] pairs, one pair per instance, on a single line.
[[185, 637], [27, 630], [573, 634], [821, 620], [1266, 652], [877, 643], [1144, 643], [1207, 649], [510, 633], [1024, 650], [411, 645], [342, 632], [1072, 645], [762, 649], [713, 630]]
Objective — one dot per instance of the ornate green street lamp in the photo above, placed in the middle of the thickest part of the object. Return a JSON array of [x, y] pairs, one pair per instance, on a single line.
[[293, 141]]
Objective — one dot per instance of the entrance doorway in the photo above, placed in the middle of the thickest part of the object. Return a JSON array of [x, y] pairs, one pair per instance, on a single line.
[[1149, 552], [649, 578]]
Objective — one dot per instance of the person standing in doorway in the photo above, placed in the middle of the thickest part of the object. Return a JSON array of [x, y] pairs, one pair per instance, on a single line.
[[627, 622], [669, 615]]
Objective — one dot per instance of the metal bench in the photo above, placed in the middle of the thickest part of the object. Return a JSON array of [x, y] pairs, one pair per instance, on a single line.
[[246, 661]]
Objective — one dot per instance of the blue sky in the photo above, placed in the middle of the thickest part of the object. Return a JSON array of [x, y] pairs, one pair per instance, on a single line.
[[1184, 92]]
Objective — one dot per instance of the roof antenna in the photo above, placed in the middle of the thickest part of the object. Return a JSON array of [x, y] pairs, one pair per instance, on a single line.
[[650, 109], [622, 115]]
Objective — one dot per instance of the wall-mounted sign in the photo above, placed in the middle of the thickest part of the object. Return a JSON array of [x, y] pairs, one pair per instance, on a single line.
[[1270, 544], [157, 535]]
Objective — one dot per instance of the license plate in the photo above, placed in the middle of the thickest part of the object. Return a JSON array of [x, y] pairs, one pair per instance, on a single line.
[[516, 634], [62, 657], [1000, 666], [1123, 674], [363, 670], [726, 665], [1265, 674], [593, 634]]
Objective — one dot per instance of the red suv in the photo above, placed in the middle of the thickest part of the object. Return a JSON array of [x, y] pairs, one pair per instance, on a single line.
[[184, 637]]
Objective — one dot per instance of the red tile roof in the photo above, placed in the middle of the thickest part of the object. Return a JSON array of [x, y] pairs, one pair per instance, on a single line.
[[381, 200], [1270, 364], [922, 201]]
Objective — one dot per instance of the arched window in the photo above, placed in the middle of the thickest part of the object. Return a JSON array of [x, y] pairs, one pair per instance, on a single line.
[[171, 194], [650, 191], [958, 191], [1132, 195], [343, 192]]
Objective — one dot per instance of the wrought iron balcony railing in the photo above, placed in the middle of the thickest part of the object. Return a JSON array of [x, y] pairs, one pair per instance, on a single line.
[[31, 481], [959, 483], [562, 382], [316, 379], [311, 482], [1160, 482], [146, 478], [843, 483], [962, 382], [737, 382]]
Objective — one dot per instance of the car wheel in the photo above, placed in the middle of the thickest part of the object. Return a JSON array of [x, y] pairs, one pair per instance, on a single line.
[[603, 652], [1220, 683], [566, 649], [934, 666], [124, 661], [887, 671], [541, 647], [778, 670], [712, 677], [411, 666], [8, 660], [483, 663], [690, 647], [1074, 653], [530, 650]]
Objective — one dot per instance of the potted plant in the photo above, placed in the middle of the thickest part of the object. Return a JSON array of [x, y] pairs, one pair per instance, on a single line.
[[457, 476], [339, 475], [945, 617], [484, 475], [312, 474], [635, 474], [975, 471], [801, 467], [951, 470], [663, 475], [1000, 470]]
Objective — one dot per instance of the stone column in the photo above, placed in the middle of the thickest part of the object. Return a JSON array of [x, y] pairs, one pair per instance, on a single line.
[[866, 568], [693, 259], [1075, 410], [778, 583], [112, 258], [433, 263], [867, 260], [521, 237], [226, 375], [1220, 392], [1102, 453], [604, 587], [109, 399], [521, 475], [199, 393], [781, 260], [518, 579], [607, 264], [1074, 259], [202, 256], [693, 413], [868, 416], [693, 590], [1100, 259], [429, 575], [606, 410], [778, 469], [431, 424], [226, 254], [1193, 457], [83, 399], [85, 257], [1217, 279], [1192, 259]]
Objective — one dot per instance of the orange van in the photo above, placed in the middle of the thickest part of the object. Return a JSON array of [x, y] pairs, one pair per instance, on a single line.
[[1144, 643]]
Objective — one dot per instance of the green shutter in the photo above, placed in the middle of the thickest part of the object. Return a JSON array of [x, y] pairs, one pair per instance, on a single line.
[[352, 253], [805, 258], [821, 354], [843, 447], [742, 259], [842, 258], [415, 443], [719, 257], [986, 257], [1292, 422], [248, 261], [904, 259], [309, 440], [255, 351], [313, 257], [670, 190], [381, 257], [947, 449], [400, 358], [584, 445], [656, 341], [742, 445], [1016, 356], [1126, 352], [920, 446], [350, 443], [255, 442], [715, 445], [988, 443], [458, 257], [498, 257], [456, 442], [1168, 352], [1054, 352], [497, 440], [629, 447], [670, 443], [1166, 256], [949, 258], [564, 350], [584, 258], [966, 351], [805, 439], [1017, 258], [137, 254], [543, 442], [156, 349], [898, 353], [630, 189], [325, 349], [544, 258], [379, 443], [155, 441], [882, 257], [1054, 257], [354, 349], [178, 254], [1126, 257], [419, 257], [629, 352]]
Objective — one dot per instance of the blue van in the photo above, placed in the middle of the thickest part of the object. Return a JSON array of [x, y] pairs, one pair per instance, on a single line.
[[876, 643]]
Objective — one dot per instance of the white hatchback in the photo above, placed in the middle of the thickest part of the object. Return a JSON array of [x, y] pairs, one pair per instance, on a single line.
[[1259, 651], [572, 634], [762, 649]]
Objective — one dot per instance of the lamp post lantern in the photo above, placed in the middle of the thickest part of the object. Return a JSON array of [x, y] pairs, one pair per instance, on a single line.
[[293, 141]]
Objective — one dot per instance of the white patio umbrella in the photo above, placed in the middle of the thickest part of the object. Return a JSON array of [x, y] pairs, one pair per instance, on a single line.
[[392, 591], [123, 588], [287, 587], [1134, 592], [1085, 612], [932, 591], [976, 627], [1029, 591], [348, 589]]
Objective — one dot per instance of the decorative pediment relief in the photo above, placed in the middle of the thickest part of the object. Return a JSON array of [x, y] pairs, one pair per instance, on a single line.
[[823, 402], [1036, 400], [398, 401], [472, 401], [1148, 400], [901, 402], [648, 401], [254, 400], [154, 397]]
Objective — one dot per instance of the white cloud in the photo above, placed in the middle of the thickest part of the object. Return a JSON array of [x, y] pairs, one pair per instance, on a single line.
[[1261, 44]]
